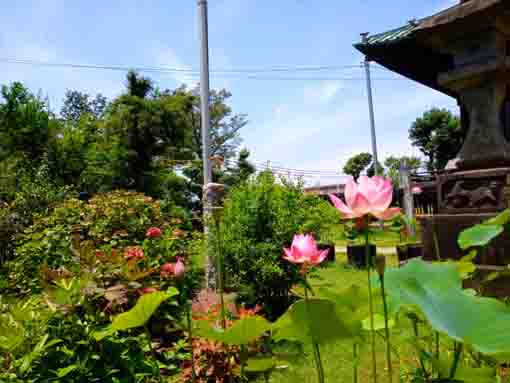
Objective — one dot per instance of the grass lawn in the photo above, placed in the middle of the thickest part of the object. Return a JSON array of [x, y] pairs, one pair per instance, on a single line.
[[337, 357], [382, 238]]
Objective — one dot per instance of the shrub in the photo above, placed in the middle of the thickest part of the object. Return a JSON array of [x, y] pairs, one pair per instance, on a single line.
[[260, 218], [34, 194], [112, 220], [93, 261]]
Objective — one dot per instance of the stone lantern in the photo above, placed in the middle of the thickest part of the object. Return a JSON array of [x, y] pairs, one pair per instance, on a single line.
[[464, 52]]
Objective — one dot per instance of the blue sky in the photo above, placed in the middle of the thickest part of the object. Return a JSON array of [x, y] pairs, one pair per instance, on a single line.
[[297, 124]]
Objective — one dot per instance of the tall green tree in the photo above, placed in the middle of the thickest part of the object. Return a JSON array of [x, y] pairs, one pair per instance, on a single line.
[[238, 171], [24, 123], [225, 124], [439, 136], [78, 105], [357, 164], [149, 125], [392, 164]]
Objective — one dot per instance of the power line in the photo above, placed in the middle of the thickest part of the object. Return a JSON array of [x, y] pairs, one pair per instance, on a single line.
[[328, 68], [249, 74], [285, 171]]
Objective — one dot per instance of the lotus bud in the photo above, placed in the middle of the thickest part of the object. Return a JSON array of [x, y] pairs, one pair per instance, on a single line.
[[380, 264]]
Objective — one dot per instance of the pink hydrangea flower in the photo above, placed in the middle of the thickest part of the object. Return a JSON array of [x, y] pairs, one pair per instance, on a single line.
[[304, 250], [153, 232], [133, 252], [370, 196]]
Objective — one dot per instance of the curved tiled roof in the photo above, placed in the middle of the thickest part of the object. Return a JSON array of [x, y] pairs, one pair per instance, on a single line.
[[446, 16]]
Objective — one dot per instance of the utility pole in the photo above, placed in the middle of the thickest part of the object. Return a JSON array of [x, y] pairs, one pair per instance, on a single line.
[[366, 62], [205, 124], [204, 88]]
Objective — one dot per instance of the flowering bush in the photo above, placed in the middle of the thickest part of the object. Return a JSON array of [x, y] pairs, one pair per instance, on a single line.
[[261, 217], [112, 221]]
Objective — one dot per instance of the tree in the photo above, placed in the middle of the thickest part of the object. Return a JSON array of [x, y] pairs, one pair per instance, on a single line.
[[150, 126], [78, 104], [392, 164], [357, 164], [439, 136], [24, 123], [371, 171], [240, 171], [225, 125]]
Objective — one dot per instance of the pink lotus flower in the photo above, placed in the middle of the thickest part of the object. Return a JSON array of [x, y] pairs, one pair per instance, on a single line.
[[134, 252], [153, 232], [369, 196], [179, 268], [304, 250], [416, 190]]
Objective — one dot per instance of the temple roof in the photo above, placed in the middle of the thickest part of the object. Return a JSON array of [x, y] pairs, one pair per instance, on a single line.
[[407, 50]]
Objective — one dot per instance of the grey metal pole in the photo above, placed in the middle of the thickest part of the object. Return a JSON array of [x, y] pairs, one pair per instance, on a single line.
[[366, 62], [210, 277], [204, 88]]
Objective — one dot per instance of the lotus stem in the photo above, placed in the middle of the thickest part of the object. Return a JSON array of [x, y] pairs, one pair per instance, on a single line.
[[368, 264], [414, 321], [386, 329], [437, 350], [456, 358], [436, 243], [315, 346], [355, 366]]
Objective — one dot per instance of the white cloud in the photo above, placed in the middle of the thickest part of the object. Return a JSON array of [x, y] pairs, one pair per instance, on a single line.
[[306, 136], [323, 93], [167, 57]]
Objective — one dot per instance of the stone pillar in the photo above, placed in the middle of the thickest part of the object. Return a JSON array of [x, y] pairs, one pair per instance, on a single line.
[[485, 145]]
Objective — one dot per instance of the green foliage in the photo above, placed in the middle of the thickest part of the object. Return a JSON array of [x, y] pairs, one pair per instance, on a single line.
[[225, 125], [78, 105], [482, 234], [392, 164], [304, 324], [112, 220], [148, 126], [240, 172], [242, 332], [439, 136], [106, 166], [436, 289], [24, 123], [143, 310], [23, 336], [35, 193], [260, 218], [98, 300], [357, 164]]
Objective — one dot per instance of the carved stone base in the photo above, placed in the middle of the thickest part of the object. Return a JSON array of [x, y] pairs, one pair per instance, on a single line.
[[474, 191]]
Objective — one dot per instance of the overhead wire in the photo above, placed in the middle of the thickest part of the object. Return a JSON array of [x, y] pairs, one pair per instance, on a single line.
[[241, 73]]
